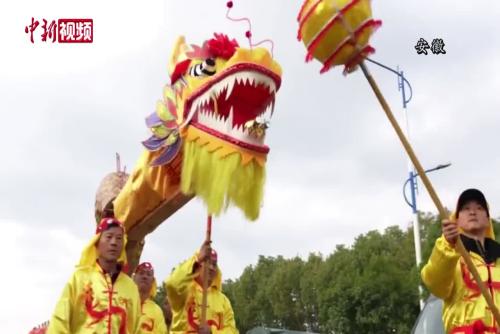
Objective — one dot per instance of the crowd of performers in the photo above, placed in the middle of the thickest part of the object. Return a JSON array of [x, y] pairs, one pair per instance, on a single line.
[[101, 297]]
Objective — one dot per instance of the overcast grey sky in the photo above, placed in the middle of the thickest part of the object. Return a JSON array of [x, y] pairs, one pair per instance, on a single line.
[[335, 169]]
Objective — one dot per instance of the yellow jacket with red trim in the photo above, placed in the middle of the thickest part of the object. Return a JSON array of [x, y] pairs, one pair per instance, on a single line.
[[91, 303], [152, 319], [185, 297], [447, 277]]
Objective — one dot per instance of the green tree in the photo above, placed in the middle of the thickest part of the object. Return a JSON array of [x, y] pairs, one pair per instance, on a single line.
[[284, 293], [367, 288], [248, 294], [373, 285], [310, 290]]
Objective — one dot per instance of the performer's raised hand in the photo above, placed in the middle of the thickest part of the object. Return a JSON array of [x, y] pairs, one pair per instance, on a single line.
[[450, 231], [205, 251]]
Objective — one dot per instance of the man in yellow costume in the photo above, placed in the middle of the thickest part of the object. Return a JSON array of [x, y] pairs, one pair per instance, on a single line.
[[184, 292], [465, 310], [99, 297], [152, 320]]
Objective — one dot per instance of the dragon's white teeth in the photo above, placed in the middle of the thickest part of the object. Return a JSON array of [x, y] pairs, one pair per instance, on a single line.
[[229, 88], [272, 89], [218, 123], [245, 78], [205, 98], [208, 115], [200, 103], [230, 120], [260, 80], [267, 113], [265, 116]]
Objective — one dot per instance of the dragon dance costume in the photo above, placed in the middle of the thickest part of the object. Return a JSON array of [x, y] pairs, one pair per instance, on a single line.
[[93, 301], [152, 319], [185, 297]]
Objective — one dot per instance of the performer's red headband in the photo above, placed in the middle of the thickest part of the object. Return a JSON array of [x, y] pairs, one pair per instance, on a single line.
[[145, 266], [106, 223]]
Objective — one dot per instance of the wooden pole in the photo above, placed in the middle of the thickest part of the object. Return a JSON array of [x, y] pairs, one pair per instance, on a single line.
[[430, 189], [205, 274]]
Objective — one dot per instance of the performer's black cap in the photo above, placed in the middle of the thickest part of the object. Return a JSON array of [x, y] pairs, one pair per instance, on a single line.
[[471, 195]]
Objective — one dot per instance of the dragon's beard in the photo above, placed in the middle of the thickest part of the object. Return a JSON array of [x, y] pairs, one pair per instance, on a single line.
[[221, 181]]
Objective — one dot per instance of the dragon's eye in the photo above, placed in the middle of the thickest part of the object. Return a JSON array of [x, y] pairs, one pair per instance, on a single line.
[[205, 68]]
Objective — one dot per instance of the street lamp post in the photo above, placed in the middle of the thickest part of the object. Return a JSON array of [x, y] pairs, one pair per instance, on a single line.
[[402, 84], [412, 180]]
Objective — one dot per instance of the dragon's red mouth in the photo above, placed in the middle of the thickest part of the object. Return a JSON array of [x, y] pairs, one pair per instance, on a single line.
[[235, 105]]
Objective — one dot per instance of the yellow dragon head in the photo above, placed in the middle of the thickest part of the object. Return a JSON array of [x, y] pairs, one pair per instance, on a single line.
[[215, 112]]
